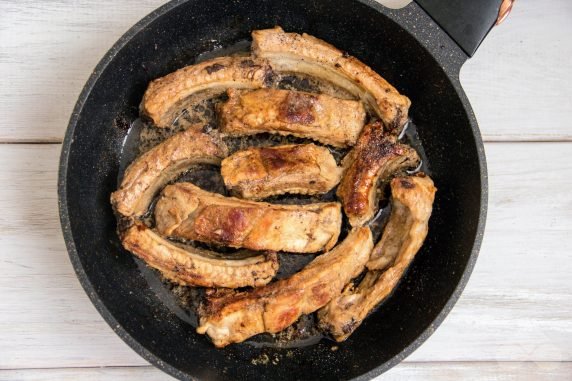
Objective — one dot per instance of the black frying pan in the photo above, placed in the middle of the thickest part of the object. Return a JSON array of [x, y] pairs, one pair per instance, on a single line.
[[409, 49]]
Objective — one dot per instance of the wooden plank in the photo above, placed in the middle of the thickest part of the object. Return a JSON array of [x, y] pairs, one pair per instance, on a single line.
[[48, 50], [518, 303], [46, 317], [141, 373], [490, 371], [519, 79], [435, 371], [517, 306]]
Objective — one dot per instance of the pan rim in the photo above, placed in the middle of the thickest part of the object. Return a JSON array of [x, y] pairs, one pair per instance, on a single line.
[[108, 316]]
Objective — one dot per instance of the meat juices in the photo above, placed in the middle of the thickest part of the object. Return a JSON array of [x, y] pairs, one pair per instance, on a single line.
[[195, 267], [302, 53], [164, 94], [254, 106]]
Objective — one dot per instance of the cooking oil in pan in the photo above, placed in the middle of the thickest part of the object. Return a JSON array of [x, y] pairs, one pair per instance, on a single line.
[[201, 108]]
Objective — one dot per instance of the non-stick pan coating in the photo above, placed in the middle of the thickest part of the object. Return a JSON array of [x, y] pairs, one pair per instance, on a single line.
[[404, 47]]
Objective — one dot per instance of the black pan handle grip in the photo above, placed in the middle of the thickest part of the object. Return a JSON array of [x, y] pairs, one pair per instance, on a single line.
[[467, 21]]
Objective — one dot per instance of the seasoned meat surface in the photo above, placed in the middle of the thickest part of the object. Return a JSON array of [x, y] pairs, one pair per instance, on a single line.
[[299, 87], [235, 317], [302, 53], [186, 211], [164, 94], [402, 238], [375, 158], [152, 170], [260, 172], [408, 223], [329, 120], [196, 267]]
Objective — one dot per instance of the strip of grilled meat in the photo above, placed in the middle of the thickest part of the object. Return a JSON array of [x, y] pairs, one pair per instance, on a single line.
[[163, 96], [329, 120], [402, 238], [235, 317], [152, 170], [376, 157], [186, 211]]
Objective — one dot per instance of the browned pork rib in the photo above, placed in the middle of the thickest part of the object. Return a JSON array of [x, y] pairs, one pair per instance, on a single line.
[[149, 172], [196, 267], [260, 172], [163, 96], [302, 53], [332, 121], [186, 211], [376, 157], [236, 317], [406, 230], [409, 220]]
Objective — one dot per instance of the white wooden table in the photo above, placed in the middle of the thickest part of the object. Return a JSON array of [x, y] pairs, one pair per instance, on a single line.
[[514, 320]]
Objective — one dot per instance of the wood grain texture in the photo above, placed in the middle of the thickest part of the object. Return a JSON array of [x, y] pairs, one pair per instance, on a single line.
[[519, 80], [411, 371], [46, 318], [517, 306], [514, 320], [48, 50]]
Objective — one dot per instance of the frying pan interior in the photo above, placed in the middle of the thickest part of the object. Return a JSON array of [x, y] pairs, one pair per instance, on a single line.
[[423, 65]]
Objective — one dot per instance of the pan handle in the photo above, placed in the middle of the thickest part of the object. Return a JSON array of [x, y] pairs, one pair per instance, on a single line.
[[467, 22]]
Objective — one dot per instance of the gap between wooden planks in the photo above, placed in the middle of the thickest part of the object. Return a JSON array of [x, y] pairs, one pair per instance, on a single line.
[[434, 371]]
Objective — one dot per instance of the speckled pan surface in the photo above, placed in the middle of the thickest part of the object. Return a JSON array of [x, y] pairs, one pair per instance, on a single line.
[[405, 47]]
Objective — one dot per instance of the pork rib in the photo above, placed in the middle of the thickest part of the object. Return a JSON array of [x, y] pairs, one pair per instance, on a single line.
[[196, 267], [329, 120], [302, 53], [401, 240], [260, 172], [375, 158], [236, 317], [161, 100], [186, 211], [150, 171]]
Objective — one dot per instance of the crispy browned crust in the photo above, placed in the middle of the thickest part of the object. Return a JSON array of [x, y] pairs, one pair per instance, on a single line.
[[233, 318], [260, 172], [408, 223], [186, 211], [406, 230], [292, 52], [164, 94], [375, 158], [330, 120], [195, 267], [150, 171]]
